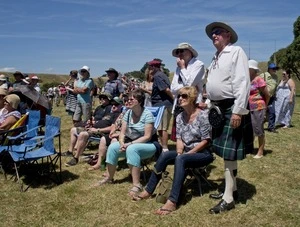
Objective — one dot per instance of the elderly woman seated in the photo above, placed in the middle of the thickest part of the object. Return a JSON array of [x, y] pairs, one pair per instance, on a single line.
[[136, 141], [9, 114], [100, 129], [193, 134]]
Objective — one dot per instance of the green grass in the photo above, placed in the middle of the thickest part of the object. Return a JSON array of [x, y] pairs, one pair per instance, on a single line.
[[269, 191]]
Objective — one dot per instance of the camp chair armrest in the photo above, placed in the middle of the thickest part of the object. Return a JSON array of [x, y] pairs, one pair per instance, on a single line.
[[23, 133], [2, 132]]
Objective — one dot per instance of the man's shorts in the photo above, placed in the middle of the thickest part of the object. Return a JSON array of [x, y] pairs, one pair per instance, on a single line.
[[165, 121], [82, 112]]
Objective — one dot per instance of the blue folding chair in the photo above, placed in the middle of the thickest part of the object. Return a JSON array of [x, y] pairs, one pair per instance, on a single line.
[[42, 150]]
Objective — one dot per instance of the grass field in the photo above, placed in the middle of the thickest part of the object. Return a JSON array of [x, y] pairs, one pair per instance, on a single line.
[[269, 193]]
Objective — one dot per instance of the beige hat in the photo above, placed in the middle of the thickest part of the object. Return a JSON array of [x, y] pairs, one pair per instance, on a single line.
[[2, 77], [209, 28], [253, 65], [3, 91], [182, 46], [13, 100]]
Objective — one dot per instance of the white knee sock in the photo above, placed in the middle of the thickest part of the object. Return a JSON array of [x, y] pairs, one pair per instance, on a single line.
[[230, 180]]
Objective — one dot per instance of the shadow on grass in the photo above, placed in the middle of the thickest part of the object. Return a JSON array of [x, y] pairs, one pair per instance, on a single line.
[[38, 175]]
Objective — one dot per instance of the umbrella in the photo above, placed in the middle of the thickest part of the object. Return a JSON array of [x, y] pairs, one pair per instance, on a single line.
[[34, 95]]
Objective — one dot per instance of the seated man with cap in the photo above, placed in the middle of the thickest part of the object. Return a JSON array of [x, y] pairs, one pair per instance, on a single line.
[[103, 109], [100, 128], [113, 85]]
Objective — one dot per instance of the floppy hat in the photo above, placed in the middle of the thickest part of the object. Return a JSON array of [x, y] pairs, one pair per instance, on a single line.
[[3, 91], [253, 65], [182, 46], [84, 68], [209, 28], [273, 66], [117, 100], [155, 63], [2, 77], [112, 70], [13, 100], [19, 73], [105, 95]]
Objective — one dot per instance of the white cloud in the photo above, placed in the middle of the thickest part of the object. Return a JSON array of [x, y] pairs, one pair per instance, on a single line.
[[8, 69]]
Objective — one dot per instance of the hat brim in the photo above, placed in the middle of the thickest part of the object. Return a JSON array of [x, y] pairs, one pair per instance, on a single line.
[[104, 96], [209, 28], [194, 52]]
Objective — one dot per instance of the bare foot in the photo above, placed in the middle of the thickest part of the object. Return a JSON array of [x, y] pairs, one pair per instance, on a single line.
[[95, 167], [166, 209]]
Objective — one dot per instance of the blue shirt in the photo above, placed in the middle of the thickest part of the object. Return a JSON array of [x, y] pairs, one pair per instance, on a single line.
[[159, 97], [85, 98]]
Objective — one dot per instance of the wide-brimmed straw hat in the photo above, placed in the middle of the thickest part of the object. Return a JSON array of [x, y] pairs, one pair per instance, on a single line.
[[13, 100], [183, 46], [209, 28]]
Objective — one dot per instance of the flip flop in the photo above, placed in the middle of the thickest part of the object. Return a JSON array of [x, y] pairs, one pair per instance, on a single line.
[[139, 197]]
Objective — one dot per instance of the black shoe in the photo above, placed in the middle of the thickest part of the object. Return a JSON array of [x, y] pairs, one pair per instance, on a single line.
[[221, 207], [67, 153], [272, 130], [72, 162], [220, 195]]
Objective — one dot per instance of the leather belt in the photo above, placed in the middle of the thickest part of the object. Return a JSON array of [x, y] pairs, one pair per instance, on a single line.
[[224, 103]]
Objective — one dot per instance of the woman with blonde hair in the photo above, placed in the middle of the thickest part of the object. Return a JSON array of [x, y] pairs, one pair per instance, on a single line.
[[9, 114], [192, 149]]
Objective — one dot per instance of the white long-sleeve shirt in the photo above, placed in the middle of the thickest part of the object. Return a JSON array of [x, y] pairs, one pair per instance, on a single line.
[[192, 75], [228, 77]]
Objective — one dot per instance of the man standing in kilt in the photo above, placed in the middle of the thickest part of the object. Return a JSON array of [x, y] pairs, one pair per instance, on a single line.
[[228, 87]]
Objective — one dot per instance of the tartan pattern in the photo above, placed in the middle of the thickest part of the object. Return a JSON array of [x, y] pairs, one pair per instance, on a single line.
[[233, 144]]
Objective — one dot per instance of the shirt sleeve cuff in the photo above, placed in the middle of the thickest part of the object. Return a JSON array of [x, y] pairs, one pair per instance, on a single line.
[[240, 110]]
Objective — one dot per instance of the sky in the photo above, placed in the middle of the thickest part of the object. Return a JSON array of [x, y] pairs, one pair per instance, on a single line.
[[56, 36]]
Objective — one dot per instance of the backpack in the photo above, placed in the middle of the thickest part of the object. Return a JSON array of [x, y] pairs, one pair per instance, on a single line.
[[164, 188]]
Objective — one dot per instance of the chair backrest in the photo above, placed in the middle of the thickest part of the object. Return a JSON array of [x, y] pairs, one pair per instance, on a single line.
[[33, 121], [157, 114], [52, 129]]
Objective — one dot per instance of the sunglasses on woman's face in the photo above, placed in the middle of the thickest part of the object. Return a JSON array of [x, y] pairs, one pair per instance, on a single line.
[[184, 96], [179, 51]]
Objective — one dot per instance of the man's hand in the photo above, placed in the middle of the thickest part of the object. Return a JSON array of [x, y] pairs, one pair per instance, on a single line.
[[180, 63], [235, 120]]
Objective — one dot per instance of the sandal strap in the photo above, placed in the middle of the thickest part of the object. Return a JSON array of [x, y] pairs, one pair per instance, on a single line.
[[137, 188]]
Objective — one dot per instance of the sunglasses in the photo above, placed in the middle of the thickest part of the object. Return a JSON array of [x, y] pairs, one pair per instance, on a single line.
[[125, 100], [284, 74], [115, 104], [179, 51], [217, 32], [83, 71], [184, 96]]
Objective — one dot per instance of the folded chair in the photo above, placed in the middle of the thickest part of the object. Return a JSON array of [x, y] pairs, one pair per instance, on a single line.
[[43, 154], [17, 128]]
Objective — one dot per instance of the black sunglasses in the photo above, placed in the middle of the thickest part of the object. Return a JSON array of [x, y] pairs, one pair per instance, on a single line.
[[115, 104], [179, 51], [184, 96], [83, 71], [217, 32]]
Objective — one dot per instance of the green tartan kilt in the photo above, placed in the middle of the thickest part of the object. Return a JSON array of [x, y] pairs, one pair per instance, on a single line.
[[233, 144]]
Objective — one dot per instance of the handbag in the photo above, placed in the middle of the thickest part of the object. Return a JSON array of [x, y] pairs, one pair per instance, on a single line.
[[216, 117], [164, 188]]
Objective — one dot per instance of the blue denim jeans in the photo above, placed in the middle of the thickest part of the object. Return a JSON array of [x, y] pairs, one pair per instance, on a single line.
[[182, 162], [272, 116]]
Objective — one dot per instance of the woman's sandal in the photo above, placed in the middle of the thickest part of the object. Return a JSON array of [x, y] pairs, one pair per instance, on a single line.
[[142, 196], [105, 180], [92, 168], [166, 209], [135, 190]]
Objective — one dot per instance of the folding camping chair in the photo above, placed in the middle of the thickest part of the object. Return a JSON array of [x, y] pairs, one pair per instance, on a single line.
[[17, 128], [43, 154]]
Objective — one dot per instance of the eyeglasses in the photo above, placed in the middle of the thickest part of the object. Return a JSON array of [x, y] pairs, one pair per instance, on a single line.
[[179, 51], [125, 100], [83, 71], [115, 104], [217, 32], [184, 96]]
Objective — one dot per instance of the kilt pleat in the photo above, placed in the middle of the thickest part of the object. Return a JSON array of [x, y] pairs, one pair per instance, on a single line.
[[233, 144]]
